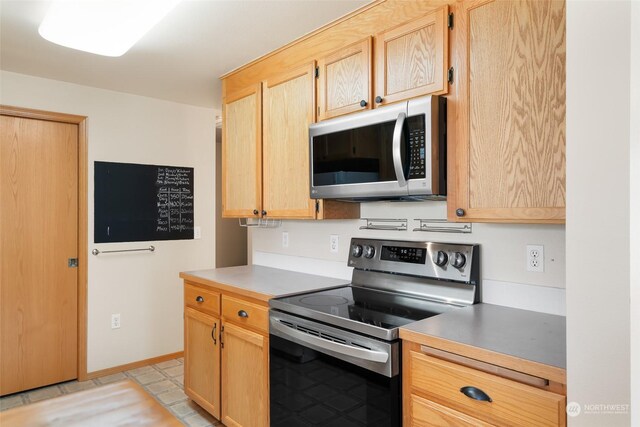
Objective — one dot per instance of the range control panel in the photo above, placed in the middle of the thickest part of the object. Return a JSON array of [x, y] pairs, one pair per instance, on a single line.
[[403, 254], [448, 261]]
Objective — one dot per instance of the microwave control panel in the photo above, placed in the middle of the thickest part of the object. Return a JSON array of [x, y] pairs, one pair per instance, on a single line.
[[416, 150]]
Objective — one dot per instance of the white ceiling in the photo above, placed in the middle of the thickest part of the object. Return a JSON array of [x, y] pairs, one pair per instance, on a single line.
[[181, 58]]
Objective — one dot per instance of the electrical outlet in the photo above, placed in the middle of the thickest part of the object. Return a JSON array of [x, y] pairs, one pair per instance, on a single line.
[[115, 321], [334, 243], [535, 258], [285, 239], [197, 232]]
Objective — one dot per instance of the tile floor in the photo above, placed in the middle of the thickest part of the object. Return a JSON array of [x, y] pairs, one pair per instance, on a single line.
[[163, 381]]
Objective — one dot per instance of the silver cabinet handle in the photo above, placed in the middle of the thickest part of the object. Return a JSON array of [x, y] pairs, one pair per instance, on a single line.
[[397, 159], [243, 313], [347, 350]]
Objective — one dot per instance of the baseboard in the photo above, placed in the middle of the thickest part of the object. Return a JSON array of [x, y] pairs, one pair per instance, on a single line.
[[133, 365]]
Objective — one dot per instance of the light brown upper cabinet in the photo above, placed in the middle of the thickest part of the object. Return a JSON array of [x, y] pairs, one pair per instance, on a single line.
[[288, 108], [242, 153], [265, 150], [507, 112], [269, 103], [412, 59], [344, 80]]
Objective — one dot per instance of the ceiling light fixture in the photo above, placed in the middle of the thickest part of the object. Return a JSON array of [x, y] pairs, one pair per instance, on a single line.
[[103, 27]]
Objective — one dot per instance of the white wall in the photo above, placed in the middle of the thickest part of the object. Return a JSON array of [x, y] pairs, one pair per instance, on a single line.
[[231, 239], [635, 212], [144, 288], [598, 211], [503, 249]]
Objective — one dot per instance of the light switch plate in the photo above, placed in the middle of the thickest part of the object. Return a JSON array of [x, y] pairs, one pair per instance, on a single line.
[[285, 239], [115, 321], [197, 232]]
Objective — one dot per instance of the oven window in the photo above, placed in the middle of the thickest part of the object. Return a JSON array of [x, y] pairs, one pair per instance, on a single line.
[[309, 388]]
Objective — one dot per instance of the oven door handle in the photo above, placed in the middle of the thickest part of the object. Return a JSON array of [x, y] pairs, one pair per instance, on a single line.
[[347, 350], [396, 149]]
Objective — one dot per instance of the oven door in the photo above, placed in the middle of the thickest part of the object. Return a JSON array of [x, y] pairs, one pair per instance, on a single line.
[[323, 376]]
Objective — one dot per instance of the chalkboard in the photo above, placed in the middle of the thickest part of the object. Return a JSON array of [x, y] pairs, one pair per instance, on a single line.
[[135, 203]]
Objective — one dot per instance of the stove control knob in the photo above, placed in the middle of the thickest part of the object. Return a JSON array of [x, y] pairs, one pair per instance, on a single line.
[[441, 258], [356, 251], [369, 251], [458, 260]]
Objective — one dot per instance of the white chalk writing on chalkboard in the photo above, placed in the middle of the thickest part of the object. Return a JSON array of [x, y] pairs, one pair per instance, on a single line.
[[174, 199]]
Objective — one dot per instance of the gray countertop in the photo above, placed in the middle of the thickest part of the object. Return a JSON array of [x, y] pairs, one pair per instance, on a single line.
[[525, 335], [528, 335], [261, 282]]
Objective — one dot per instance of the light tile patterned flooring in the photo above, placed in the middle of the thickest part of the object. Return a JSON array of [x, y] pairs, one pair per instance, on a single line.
[[164, 381]]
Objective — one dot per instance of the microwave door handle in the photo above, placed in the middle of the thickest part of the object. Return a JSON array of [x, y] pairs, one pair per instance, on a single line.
[[396, 147]]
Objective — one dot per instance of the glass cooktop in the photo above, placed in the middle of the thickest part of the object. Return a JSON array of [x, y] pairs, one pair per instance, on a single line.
[[371, 311]]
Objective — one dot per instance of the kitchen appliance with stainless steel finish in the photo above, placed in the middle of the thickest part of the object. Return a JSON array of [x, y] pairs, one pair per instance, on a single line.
[[335, 353], [391, 152]]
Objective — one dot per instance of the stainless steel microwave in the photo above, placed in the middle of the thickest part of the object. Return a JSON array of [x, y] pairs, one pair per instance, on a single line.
[[391, 152]]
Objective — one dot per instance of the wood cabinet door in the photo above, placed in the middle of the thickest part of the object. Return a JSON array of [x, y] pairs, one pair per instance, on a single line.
[[507, 116], [38, 236], [202, 360], [412, 59], [425, 413], [288, 108], [344, 80], [245, 377], [242, 153]]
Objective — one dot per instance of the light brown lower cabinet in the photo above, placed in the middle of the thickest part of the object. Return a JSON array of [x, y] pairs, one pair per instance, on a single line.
[[226, 355], [439, 392], [425, 413], [202, 360], [245, 367]]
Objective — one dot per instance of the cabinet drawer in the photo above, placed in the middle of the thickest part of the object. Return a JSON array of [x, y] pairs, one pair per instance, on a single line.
[[202, 299], [512, 403], [425, 413], [245, 313]]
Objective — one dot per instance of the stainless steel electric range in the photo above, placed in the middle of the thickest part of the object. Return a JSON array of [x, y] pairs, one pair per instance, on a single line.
[[335, 354]]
